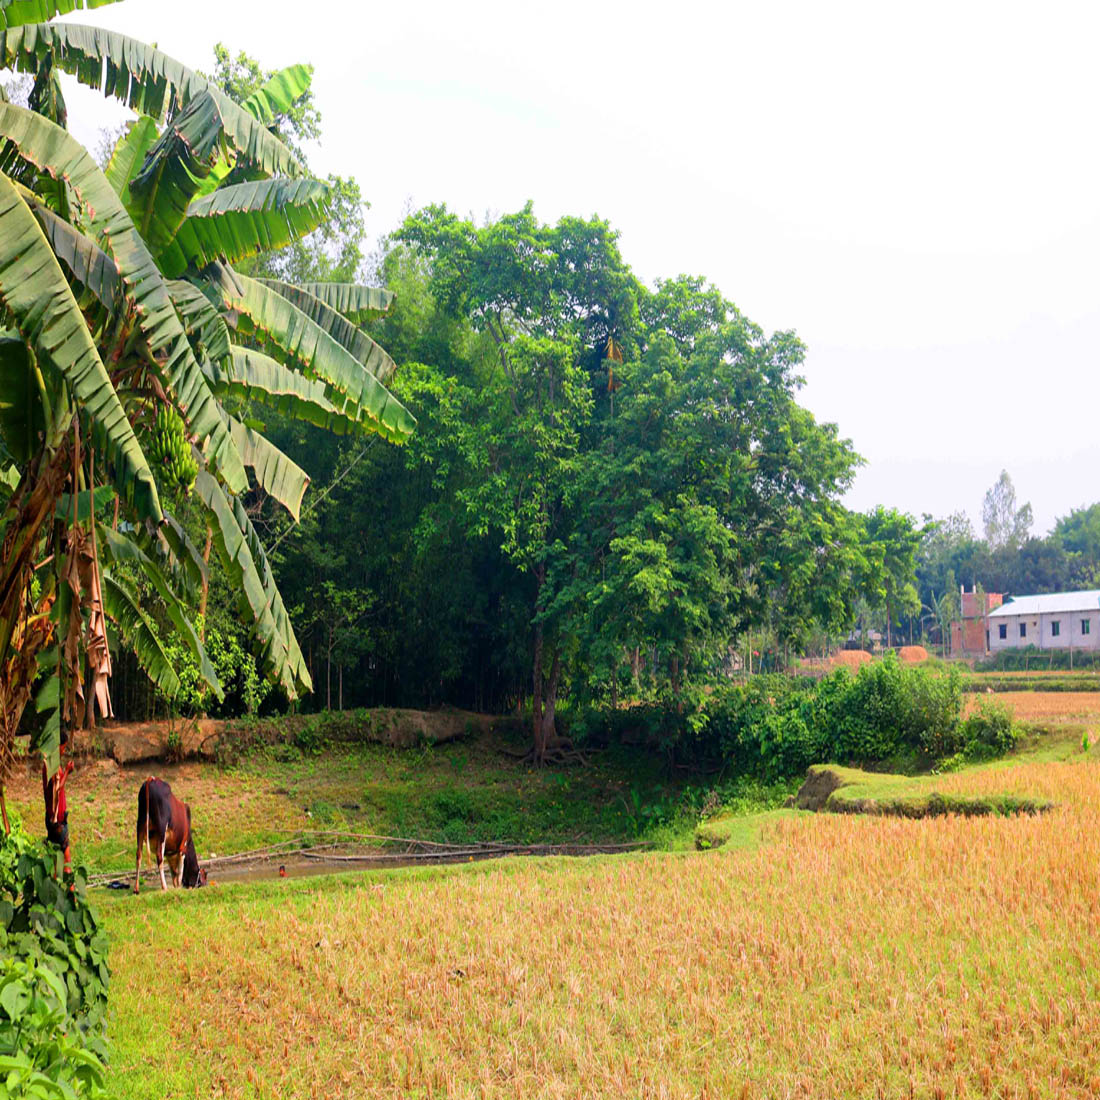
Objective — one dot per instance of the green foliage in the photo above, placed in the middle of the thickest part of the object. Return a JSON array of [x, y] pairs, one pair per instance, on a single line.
[[1036, 660], [238, 671], [989, 731], [776, 726], [622, 476], [889, 707], [53, 977]]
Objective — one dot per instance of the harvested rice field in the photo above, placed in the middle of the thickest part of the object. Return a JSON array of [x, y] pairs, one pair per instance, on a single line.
[[1045, 707], [842, 956]]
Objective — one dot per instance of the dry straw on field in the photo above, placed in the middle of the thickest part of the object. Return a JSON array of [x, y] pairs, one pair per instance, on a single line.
[[1045, 707], [849, 658], [847, 957]]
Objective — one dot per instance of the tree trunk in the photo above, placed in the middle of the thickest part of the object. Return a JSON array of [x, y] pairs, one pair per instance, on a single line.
[[549, 733], [635, 667], [539, 749], [328, 673]]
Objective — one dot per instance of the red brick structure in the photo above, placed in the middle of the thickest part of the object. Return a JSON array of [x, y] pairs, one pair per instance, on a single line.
[[971, 635]]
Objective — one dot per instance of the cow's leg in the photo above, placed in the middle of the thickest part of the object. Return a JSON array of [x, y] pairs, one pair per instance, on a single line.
[[160, 862], [142, 840], [176, 864]]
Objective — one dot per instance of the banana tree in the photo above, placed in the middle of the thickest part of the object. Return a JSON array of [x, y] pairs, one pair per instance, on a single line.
[[127, 340]]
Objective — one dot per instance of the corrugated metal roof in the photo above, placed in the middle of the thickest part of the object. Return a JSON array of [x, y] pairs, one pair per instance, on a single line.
[[1052, 604]]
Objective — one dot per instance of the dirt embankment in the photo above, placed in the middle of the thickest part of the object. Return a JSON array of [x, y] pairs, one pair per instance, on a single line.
[[819, 785], [200, 738]]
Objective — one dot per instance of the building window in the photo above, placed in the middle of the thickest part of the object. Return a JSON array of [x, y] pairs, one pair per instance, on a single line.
[[1002, 630], [1085, 626], [1055, 628], [1023, 630]]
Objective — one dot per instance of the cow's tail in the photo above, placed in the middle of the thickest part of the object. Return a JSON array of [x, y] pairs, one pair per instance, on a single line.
[[143, 810], [142, 828]]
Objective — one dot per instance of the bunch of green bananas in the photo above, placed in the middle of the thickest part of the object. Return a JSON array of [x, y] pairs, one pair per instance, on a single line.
[[170, 452]]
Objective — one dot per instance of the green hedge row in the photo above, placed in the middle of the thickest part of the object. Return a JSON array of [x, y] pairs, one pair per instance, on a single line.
[[1032, 658], [775, 726]]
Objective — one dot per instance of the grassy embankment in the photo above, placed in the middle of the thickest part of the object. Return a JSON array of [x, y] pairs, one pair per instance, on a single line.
[[462, 791]]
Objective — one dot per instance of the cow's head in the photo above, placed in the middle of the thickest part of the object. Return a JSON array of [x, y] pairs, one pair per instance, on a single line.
[[193, 874]]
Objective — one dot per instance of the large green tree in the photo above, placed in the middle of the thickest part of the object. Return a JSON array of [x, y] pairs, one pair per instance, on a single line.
[[129, 340], [638, 458]]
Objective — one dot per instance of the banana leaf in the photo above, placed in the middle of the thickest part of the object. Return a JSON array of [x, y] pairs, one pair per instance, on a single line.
[[143, 78], [173, 169], [200, 320], [22, 418], [29, 138], [15, 12], [122, 550], [86, 263], [292, 335], [279, 93], [357, 342], [258, 377], [250, 575], [278, 475], [129, 154], [37, 298], [124, 609], [190, 569], [356, 303], [243, 219]]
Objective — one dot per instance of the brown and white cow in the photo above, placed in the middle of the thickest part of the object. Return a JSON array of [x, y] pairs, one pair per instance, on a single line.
[[164, 824]]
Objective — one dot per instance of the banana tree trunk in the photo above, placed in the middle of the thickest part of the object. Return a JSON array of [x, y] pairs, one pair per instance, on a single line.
[[22, 635]]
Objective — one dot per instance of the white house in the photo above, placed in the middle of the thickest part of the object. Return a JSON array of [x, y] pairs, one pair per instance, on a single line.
[[1062, 620]]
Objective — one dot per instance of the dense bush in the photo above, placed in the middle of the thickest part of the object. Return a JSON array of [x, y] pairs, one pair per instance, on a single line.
[[53, 977], [776, 726], [238, 670], [990, 731]]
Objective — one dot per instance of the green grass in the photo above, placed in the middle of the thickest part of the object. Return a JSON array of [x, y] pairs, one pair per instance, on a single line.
[[1034, 681], [738, 832], [850, 790], [458, 792]]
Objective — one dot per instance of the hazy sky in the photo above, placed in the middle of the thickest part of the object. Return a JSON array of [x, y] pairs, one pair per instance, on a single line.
[[913, 190]]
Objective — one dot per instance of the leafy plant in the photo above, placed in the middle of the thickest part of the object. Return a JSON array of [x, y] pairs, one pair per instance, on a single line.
[[989, 731], [53, 978]]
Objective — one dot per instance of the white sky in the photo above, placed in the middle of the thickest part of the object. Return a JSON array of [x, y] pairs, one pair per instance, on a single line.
[[913, 189]]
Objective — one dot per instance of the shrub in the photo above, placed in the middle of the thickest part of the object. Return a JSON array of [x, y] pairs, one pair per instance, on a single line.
[[890, 708], [990, 731], [245, 686], [775, 726], [53, 977]]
